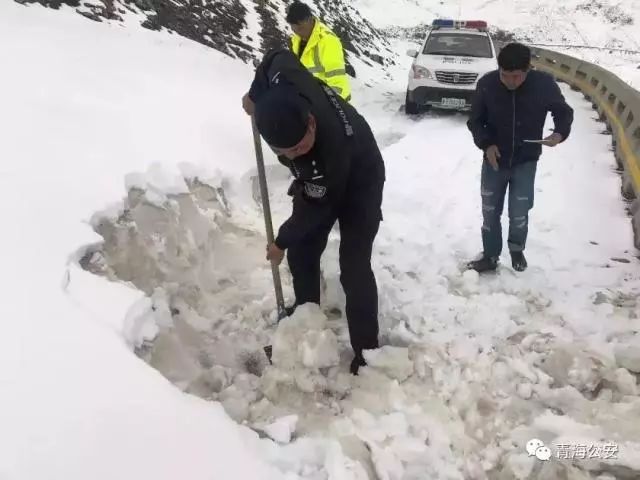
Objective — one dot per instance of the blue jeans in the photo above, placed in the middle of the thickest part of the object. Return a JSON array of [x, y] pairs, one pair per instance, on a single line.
[[520, 179]]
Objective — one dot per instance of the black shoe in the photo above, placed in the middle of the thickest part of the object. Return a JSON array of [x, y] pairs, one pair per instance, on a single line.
[[518, 261], [357, 362], [484, 264]]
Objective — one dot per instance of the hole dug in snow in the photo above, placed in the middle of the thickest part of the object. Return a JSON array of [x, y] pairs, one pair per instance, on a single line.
[[414, 412], [209, 313], [204, 276]]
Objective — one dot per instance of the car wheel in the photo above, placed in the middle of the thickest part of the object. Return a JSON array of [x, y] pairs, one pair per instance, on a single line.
[[411, 108]]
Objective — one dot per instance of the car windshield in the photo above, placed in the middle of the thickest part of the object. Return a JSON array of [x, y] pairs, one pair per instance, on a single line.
[[458, 44]]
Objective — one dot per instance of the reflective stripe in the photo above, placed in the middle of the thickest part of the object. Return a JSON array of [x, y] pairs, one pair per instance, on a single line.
[[335, 73], [318, 68], [317, 63]]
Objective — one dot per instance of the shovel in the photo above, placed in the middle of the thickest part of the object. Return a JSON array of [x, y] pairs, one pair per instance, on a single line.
[[264, 195]]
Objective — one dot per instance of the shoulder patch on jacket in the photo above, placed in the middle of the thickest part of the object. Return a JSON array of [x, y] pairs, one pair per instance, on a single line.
[[314, 191]]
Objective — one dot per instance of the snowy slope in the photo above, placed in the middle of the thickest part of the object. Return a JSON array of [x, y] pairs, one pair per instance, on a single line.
[[129, 157], [242, 29], [84, 104]]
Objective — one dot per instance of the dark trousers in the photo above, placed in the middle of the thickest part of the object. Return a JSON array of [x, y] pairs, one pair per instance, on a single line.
[[357, 233], [520, 179]]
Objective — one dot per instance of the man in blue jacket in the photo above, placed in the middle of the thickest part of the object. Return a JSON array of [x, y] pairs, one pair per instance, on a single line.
[[507, 122]]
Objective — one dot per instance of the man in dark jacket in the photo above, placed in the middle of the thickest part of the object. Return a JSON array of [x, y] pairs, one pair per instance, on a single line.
[[507, 122], [339, 175]]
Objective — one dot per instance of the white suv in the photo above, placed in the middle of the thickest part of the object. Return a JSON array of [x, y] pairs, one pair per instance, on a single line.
[[453, 57]]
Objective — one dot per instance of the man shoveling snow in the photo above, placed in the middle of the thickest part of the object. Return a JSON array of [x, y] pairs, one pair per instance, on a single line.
[[339, 175]]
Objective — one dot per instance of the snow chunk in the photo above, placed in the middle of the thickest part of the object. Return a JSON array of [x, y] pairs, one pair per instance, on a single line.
[[625, 382], [471, 281], [576, 366], [525, 391], [521, 465], [305, 359], [213, 380], [282, 429], [303, 339], [319, 349], [393, 361], [628, 356], [157, 180], [386, 463], [139, 323], [238, 397]]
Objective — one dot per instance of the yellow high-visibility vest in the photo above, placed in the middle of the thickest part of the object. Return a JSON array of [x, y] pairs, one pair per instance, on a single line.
[[324, 58]]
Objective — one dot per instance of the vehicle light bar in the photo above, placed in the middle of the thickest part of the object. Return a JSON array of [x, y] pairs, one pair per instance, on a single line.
[[476, 24], [443, 23], [447, 23]]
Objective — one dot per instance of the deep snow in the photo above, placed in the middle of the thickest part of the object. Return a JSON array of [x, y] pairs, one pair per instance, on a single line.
[[471, 370], [83, 105]]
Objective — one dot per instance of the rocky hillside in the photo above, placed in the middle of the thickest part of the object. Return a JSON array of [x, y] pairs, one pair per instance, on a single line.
[[242, 29]]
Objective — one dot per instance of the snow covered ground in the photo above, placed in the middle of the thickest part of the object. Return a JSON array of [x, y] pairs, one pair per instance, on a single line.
[[83, 105], [128, 155]]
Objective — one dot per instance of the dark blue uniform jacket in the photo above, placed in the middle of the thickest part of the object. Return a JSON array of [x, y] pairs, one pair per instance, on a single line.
[[506, 118], [342, 176]]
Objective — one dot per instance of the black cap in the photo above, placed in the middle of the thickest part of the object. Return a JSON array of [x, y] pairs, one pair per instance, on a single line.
[[298, 12], [282, 117], [514, 56]]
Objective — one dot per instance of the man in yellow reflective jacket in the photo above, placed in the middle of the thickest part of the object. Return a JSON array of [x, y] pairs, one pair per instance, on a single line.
[[318, 48]]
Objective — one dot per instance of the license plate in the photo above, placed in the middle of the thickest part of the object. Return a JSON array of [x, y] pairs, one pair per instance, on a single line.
[[453, 102]]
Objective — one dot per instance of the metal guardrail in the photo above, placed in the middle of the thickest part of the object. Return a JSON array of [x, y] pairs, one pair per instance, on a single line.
[[586, 47], [618, 105]]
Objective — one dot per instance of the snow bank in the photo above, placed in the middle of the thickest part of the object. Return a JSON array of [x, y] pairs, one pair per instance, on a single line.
[[84, 104]]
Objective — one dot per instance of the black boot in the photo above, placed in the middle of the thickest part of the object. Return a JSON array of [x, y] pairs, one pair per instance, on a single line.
[[518, 262], [484, 264], [268, 351], [357, 362]]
